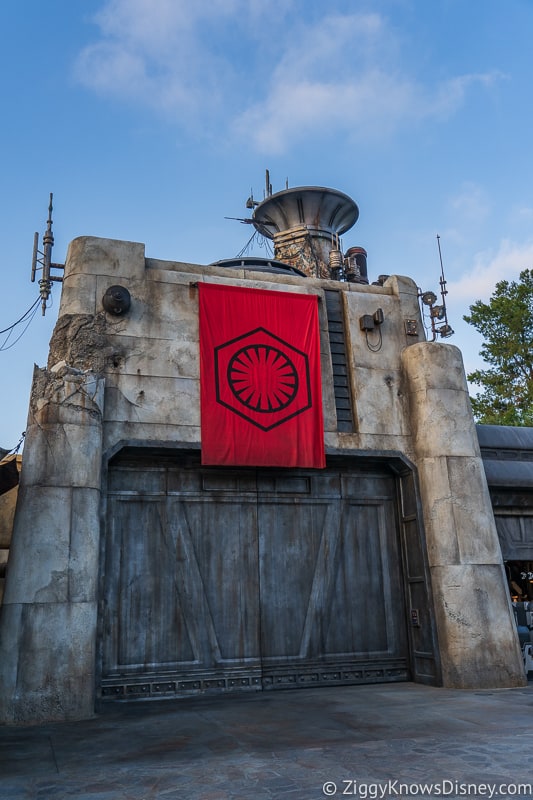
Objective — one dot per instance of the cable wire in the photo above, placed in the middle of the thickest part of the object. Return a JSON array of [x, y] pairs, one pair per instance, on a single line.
[[14, 450], [33, 309], [22, 317]]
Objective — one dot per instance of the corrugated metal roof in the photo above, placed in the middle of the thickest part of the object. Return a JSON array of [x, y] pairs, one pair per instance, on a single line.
[[507, 454]]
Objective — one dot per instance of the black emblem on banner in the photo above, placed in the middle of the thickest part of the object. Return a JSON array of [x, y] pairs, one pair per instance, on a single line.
[[262, 378]]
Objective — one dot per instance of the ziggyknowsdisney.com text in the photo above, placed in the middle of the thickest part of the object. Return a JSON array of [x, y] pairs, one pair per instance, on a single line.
[[444, 788]]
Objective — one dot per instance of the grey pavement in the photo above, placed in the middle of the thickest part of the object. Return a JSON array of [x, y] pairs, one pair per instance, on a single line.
[[356, 741]]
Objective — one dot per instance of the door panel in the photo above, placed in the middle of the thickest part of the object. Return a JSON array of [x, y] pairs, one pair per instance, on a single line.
[[295, 542], [218, 573], [144, 621], [217, 580], [367, 613]]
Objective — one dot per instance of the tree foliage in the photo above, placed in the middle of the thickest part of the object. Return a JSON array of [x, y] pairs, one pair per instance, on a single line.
[[506, 323]]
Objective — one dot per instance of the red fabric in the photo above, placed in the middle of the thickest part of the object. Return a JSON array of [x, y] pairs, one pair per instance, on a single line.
[[261, 393]]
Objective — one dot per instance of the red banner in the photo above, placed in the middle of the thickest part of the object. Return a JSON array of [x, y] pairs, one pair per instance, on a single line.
[[260, 386]]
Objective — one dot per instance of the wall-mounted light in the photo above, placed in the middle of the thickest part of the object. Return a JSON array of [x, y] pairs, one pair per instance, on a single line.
[[445, 331], [117, 300], [438, 312], [429, 298]]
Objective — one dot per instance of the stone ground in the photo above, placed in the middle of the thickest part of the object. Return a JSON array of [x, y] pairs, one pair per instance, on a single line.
[[358, 741]]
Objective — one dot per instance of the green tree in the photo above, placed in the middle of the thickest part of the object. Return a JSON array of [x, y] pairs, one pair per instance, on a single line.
[[506, 323]]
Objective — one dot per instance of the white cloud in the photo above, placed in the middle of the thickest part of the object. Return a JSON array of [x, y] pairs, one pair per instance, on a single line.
[[523, 213], [157, 25], [342, 75], [451, 94], [211, 60], [295, 109], [472, 204], [154, 52], [479, 283], [489, 268]]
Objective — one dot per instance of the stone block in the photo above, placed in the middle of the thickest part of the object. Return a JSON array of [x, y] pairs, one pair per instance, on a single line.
[[83, 556], [460, 525], [173, 401], [154, 358], [328, 397], [189, 274], [119, 433], [442, 422], [92, 255], [472, 511], [380, 348], [63, 547], [78, 294], [437, 502], [70, 397], [159, 309], [48, 664], [10, 640], [477, 634], [381, 405], [62, 455], [407, 291], [433, 365], [441, 415], [38, 570]]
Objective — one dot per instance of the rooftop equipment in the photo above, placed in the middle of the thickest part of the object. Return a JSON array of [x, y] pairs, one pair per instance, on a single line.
[[305, 224]]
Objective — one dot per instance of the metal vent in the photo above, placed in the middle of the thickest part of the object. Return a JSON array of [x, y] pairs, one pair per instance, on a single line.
[[337, 343]]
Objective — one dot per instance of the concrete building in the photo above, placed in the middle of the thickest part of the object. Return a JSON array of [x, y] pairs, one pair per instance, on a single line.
[[138, 571]]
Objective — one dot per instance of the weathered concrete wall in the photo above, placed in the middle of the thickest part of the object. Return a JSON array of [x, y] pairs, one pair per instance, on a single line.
[[478, 645], [409, 398], [150, 356], [48, 623]]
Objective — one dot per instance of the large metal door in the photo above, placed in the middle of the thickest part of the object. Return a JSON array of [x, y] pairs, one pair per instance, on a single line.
[[224, 580]]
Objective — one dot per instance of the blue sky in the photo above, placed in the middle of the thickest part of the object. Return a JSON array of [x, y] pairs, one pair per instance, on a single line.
[[151, 121]]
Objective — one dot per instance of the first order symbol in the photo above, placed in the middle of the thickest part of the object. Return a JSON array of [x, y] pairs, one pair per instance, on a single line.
[[262, 378]]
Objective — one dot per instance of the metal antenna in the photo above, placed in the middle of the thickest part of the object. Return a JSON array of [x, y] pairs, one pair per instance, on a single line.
[[442, 281], [45, 282], [268, 185], [438, 314], [444, 330]]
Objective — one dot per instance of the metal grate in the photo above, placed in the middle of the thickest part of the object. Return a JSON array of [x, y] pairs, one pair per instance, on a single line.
[[337, 343]]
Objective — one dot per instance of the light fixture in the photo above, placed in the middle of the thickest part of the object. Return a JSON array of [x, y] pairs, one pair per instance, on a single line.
[[438, 312], [446, 331], [428, 298]]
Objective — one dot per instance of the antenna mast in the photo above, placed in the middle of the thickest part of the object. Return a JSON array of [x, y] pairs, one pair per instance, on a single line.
[[438, 314], [444, 330], [45, 260]]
